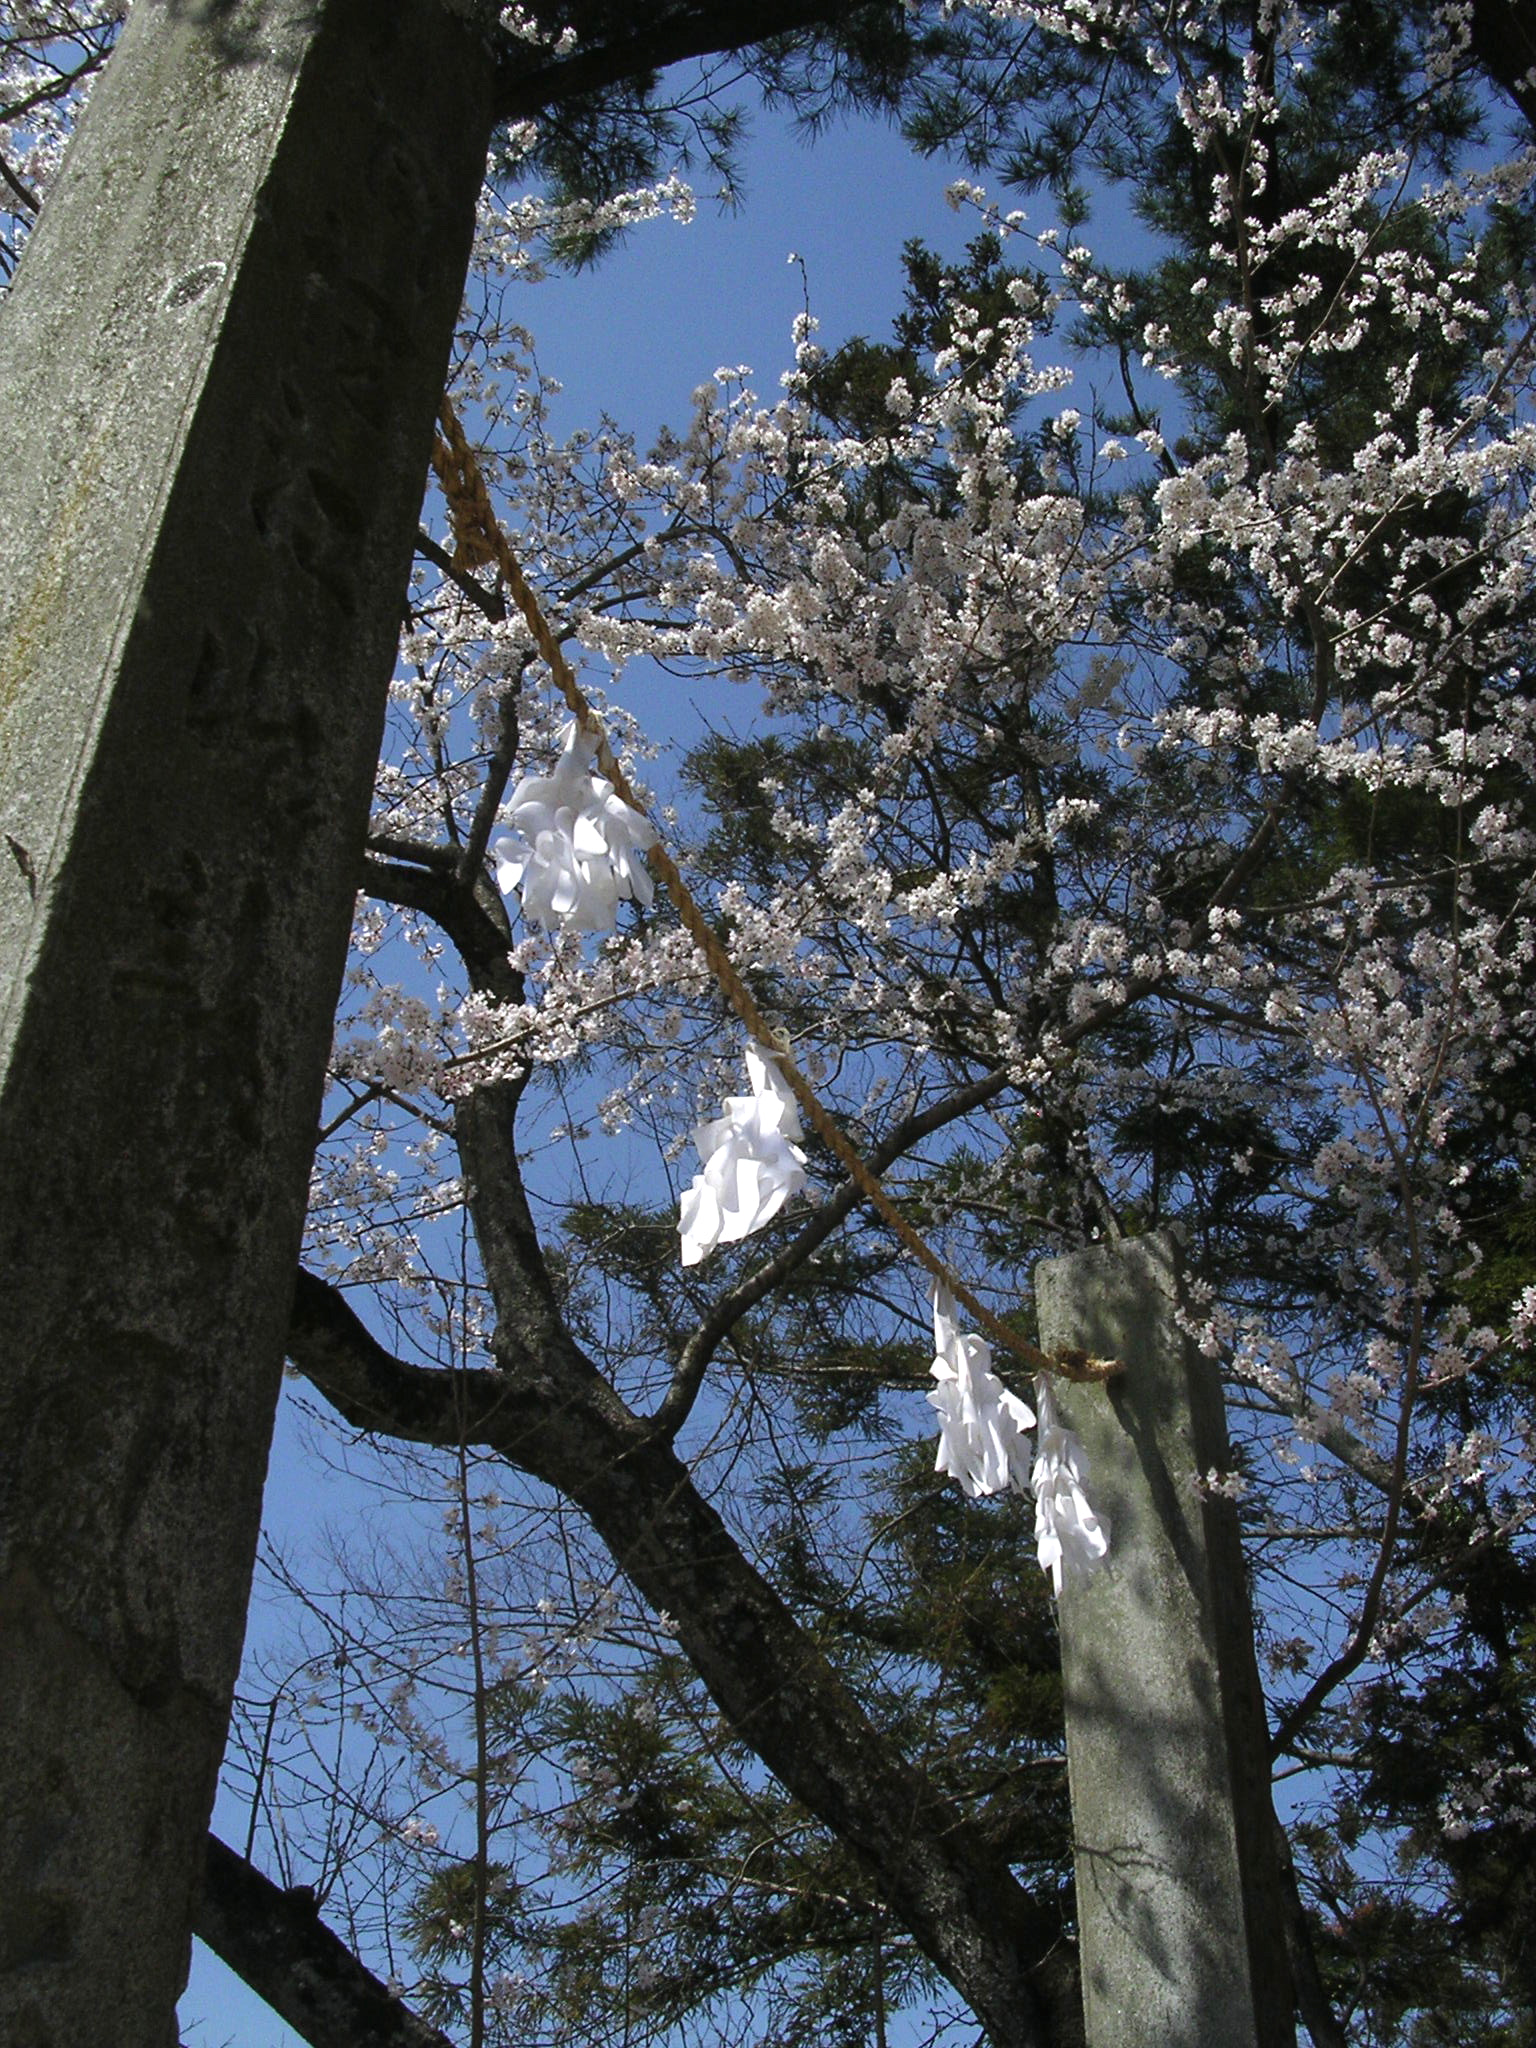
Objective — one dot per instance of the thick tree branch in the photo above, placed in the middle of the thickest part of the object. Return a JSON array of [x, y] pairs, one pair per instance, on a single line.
[[473, 916], [1504, 44], [276, 1942], [529, 82], [1312, 2000], [484, 598], [24, 193], [546, 1409]]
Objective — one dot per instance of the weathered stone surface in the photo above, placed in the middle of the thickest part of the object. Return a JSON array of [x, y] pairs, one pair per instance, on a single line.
[[219, 366], [1178, 1902]]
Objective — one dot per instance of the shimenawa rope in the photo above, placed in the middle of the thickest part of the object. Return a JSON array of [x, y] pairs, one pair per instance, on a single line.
[[479, 539]]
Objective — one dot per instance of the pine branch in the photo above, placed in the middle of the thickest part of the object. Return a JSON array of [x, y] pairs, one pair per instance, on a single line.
[[528, 82], [546, 1409]]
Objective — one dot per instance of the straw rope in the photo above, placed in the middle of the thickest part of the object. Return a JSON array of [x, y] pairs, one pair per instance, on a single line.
[[480, 539]]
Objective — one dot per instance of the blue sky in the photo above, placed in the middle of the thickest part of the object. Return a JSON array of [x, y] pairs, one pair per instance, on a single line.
[[673, 303]]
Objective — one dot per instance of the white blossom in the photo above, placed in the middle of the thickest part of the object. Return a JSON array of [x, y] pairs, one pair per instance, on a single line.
[[751, 1164], [983, 1440], [574, 851]]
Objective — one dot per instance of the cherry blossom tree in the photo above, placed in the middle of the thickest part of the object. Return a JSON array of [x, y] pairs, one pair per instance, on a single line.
[[1115, 815], [1132, 833], [1180, 815]]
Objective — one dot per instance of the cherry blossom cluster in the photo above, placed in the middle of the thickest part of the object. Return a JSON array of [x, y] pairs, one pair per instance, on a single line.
[[515, 233], [51, 53]]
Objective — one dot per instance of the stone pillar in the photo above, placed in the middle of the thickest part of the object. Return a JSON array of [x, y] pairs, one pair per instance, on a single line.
[[1177, 1894], [219, 366]]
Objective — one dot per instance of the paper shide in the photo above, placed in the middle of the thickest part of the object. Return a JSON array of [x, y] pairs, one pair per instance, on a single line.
[[984, 1443], [573, 854], [750, 1162]]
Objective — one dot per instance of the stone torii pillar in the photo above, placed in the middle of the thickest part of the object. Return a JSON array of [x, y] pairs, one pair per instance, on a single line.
[[219, 367], [1178, 1900]]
